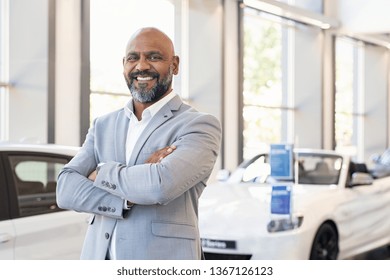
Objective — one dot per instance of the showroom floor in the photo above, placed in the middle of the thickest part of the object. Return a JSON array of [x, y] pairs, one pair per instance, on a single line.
[[378, 254]]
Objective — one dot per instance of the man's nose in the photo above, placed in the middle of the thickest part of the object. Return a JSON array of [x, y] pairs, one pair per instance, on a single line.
[[142, 64]]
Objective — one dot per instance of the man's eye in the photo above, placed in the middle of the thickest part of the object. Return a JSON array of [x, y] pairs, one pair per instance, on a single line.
[[132, 58], [155, 57]]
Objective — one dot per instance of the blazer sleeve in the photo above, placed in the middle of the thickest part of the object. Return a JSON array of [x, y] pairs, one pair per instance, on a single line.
[[198, 144], [76, 192]]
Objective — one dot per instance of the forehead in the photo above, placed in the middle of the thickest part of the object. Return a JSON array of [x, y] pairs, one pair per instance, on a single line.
[[150, 41]]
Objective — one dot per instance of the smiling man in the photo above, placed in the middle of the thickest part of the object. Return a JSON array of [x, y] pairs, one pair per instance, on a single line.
[[149, 65], [142, 169]]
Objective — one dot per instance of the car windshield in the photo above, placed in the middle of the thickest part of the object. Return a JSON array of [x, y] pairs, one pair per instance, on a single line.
[[319, 168], [311, 168]]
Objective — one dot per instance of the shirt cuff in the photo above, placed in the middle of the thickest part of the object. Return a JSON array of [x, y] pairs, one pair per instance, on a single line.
[[99, 166], [127, 205]]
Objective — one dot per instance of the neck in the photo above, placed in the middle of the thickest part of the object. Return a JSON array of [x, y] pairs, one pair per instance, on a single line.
[[139, 107]]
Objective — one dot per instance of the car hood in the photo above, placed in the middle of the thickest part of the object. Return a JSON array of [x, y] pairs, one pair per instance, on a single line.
[[227, 208]]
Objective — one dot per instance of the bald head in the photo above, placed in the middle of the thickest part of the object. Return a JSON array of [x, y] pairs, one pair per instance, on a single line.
[[151, 35], [149, 64]]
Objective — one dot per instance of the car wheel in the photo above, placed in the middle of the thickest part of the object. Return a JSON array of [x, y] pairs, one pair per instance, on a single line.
[[326, 244]]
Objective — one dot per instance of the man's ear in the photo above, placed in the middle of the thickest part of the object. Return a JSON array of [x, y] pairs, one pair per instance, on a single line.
[[175, 63], [123, 61]]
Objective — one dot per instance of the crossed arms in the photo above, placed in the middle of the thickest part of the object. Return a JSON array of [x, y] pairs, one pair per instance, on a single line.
[[159, 180]]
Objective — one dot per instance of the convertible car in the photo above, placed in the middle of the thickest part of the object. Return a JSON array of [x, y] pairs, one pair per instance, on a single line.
[[337, 210]]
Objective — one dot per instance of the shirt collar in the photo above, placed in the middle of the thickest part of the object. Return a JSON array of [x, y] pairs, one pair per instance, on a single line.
[[152, 109]]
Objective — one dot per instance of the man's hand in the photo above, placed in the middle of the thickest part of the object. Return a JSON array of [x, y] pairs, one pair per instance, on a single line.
[[156, 157], [92, 176], [160, 154]]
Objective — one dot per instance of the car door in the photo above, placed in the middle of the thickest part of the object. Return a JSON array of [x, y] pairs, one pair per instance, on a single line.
[[7, 237], [7, 232], [43, 231], [364, 216]]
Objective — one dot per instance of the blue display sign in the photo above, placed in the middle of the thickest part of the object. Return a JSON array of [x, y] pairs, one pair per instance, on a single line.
[[281, 200], [281, 161]]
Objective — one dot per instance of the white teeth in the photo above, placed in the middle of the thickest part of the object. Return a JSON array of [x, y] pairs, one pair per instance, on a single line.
[[144, 78]]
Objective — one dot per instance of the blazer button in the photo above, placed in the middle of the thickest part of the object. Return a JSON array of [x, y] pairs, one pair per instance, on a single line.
[[113, 186], [106, 235], [100, 208]]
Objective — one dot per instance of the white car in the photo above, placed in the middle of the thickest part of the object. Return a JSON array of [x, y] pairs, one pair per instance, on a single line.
[[31, 224], [338, 210]]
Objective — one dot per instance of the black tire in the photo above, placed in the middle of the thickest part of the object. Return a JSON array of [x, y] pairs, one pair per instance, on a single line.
[[326, 244]]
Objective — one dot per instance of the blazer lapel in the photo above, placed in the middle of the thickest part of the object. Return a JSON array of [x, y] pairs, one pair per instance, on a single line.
[[161, 117], [120, 134]]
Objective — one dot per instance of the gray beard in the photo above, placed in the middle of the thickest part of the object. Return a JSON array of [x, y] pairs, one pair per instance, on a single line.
[[144, 95]]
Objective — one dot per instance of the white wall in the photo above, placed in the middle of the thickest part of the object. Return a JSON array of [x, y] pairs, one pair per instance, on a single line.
[[230, 91], [205, 55], [307, 87], [362, 16]]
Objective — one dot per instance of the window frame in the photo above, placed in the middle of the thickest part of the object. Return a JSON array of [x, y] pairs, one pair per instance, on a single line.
[[4, 192]]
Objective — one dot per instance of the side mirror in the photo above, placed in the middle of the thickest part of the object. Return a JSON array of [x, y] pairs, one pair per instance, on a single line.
[[360, 178], [223, 175], [375, 158]]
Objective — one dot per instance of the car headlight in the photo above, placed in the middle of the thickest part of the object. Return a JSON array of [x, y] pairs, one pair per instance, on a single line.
[[277, 225]]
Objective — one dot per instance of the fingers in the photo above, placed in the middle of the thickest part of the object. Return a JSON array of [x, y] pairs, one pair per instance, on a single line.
[[92, 176], [166, 151], [159, 155]]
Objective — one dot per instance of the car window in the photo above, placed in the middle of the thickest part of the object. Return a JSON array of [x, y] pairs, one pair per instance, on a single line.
[[319, 169], [258, 170], [35, 179]]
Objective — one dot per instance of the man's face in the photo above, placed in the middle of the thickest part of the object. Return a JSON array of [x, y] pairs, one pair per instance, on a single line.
[[149, 65]]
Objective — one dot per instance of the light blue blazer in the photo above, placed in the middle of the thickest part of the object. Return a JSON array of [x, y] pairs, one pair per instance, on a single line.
[[163, 223]]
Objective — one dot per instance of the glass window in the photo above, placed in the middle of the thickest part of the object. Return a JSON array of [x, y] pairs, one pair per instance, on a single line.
[[112, 24], [282, 80], [35, 179], [319, 169], [4, 69], [265, 102], [349, 111]]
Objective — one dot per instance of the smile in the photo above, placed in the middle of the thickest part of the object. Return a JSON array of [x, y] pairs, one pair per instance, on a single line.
[[144, 78]]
